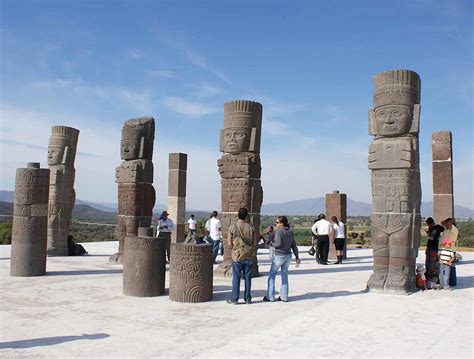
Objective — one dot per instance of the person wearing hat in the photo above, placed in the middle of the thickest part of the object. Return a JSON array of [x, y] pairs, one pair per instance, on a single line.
[[165, 227], [446, 260]]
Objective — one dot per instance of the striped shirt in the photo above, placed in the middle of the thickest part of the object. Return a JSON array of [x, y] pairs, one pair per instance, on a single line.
[[445, 255]]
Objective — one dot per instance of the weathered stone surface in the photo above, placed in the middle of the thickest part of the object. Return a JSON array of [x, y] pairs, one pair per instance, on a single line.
[[443, 199], [30, 222], [62, 197], [144, 265], [336, 205], [191, 276], [134, 176], [240, 170], [177, 194], [396, 189]]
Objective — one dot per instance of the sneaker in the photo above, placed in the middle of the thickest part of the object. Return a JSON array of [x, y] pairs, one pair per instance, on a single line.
[[281, 300], [248, 301], [230, 301], [265, 299]]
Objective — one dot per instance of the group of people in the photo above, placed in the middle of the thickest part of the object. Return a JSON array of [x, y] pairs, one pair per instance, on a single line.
[[322, 231], [440, 255]]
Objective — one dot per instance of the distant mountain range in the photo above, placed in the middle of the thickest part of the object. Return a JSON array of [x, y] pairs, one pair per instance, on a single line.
[[310, 206]]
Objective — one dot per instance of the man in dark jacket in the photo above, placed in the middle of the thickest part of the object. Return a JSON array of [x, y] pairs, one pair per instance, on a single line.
[[431, 261]]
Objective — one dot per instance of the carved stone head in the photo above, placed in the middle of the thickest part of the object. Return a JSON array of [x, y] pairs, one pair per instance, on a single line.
[[62, 146], [242, 127], [137, 139], [396, 104]]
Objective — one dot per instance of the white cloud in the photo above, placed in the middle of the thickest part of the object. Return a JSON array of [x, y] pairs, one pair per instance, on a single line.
[[206, 90], [186, 107], [161, 73], [135, 54], [54, 84]]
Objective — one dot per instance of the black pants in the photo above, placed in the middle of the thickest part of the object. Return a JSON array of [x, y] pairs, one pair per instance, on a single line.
[[323, 248]]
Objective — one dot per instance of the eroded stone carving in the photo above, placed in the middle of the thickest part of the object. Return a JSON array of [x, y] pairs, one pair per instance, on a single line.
[[240, 170], [443, 198], [134, 176], [62, 197], [144, 264], [396, 189], [30, 221], [191, 276]]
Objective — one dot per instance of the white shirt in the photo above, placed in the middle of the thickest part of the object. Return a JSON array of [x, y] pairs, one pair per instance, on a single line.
[[339, 229], [169, 223], [192, 223], [322, 227], [214, 228]]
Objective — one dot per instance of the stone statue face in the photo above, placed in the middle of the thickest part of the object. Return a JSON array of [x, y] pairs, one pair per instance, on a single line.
[[393, 120], [129, 149], [55, 155], [236, 140]]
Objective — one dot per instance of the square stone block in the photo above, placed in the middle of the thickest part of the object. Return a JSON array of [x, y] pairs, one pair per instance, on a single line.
[[443, 177], [177, 183], [179, 233], [441, 145], [178, 161], [443, 207], [336, 205], [177, 208]]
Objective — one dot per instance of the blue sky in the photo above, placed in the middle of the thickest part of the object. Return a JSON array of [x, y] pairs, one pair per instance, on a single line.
[[94, 64]]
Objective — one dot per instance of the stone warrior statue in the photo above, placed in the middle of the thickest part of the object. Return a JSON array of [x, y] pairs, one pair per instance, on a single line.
[[240, 169], [396, 189], [62, 197], [136, 195]]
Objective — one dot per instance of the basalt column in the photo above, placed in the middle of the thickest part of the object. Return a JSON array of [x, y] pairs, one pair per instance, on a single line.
[[178, 163], [30, 221], [396, 189], [443, 199], [62, 197], [336, 205], [191, 276], [144, 265], [134, 176], [240, 170]]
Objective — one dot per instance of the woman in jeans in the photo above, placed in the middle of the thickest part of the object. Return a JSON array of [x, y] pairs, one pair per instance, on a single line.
[[283, 243]]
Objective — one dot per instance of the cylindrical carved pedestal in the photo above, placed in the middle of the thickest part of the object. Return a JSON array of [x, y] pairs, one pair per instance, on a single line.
[[144, 265], [30, 222], [191, 272]]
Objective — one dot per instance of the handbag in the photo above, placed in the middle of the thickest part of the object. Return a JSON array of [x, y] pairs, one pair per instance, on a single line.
[[312, 251]]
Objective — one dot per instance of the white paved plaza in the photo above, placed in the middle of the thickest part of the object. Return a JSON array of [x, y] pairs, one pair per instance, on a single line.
[[78, 310]]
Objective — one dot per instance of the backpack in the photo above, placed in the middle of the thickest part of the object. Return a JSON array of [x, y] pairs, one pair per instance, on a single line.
[[241, 249]]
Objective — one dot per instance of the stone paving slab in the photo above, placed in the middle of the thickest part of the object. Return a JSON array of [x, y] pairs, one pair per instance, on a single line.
[[78, 310]]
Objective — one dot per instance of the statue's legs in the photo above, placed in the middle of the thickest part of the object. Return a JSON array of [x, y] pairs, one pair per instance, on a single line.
[[381, 260]]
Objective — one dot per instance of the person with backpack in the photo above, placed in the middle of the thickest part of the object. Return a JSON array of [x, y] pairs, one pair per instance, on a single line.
[[242, 240], [284, 243]]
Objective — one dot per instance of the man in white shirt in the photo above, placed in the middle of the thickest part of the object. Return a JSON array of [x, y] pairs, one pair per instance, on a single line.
[[192, 225], [213, 226], [165, 227], [322, 229]]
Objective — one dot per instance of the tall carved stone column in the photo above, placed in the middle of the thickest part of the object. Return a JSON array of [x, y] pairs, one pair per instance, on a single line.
[[134, 176], [178, 164], [62, 197], [396, 189], [336, 205], [443, 199], [240, 170], [30, 221]]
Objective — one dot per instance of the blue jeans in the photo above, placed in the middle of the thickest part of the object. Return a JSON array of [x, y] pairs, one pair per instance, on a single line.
[[444, 270], [215, 247], [237, 269], [283, 262]]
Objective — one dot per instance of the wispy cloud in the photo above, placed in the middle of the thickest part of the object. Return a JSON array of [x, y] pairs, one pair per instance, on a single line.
[[135, 54], [161, 73], [207, 90], [186, 107], [52, 84]]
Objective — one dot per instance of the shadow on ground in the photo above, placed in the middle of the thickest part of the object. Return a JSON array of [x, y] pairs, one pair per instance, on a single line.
[[84, 272], [42, 342]]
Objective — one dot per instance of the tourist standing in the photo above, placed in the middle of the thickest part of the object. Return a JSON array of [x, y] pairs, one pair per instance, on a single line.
[[451, 232], [431, 260], [192, 225], [165, 227], [322, 229], [242, 240], [339, 238], [214, 229], [284, 243], [446, 259]]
